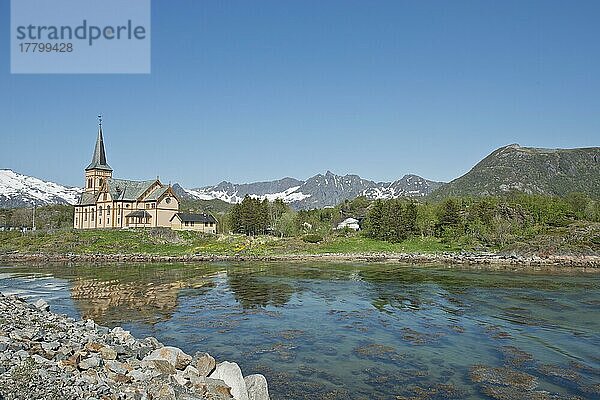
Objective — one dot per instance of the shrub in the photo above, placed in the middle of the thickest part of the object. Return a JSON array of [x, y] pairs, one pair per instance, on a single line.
[[312, 238]]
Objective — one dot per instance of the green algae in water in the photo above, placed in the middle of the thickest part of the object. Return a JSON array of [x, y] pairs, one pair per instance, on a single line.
[[352, 331]]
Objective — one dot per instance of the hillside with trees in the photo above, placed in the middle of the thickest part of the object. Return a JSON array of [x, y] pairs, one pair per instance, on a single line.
[[552, 172]]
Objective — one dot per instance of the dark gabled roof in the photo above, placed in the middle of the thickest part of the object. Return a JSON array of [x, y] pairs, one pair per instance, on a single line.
[[157, 193], [139, 213], [87, 199], [187, 217], [126, 190], [99, 157], [123, 189]]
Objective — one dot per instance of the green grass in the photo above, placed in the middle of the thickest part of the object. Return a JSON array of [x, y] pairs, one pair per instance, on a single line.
[[577, 238], [171, 243], [359, 244]]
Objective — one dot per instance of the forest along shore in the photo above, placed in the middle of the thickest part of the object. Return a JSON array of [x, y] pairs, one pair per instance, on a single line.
[[48, 356], [489, 260]]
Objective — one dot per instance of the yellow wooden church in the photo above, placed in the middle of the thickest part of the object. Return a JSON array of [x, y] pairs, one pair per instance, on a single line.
[[119, 203]]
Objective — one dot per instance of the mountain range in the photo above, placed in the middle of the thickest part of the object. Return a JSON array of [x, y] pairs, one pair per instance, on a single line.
[[321, 190], [509, 168]]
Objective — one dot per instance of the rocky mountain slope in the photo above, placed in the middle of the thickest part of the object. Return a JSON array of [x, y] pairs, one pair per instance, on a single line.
[[530, 170], [321, 190], [509, 168], [17, 190]]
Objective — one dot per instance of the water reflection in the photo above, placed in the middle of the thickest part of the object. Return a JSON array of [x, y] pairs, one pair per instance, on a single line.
[[252, 288], [374, 331]]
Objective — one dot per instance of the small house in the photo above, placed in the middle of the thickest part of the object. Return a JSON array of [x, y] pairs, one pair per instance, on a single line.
[[194, 222], [350, 223]]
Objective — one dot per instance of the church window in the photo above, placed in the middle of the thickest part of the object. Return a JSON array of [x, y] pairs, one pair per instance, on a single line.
[[100, 211], [85, 215], [90, 183], [104, 197]]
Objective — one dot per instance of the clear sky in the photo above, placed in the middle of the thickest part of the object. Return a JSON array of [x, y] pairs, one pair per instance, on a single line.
[[258, 90]]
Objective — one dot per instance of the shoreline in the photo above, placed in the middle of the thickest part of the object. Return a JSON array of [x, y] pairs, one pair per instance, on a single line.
[[487, 260], [44, 355]]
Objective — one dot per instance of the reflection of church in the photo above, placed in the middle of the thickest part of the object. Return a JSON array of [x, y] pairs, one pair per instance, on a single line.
[[140, 300]]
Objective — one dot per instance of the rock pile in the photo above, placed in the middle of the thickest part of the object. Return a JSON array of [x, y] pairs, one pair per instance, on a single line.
[[489, 260], [49, 356]]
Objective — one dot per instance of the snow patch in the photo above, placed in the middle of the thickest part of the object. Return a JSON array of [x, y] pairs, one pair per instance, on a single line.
[[288, 196], [33, 190]]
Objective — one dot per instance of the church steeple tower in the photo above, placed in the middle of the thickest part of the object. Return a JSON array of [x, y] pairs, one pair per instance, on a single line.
[[98, 170]]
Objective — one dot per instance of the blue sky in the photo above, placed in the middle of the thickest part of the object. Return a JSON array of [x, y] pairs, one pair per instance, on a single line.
[[258, 90]]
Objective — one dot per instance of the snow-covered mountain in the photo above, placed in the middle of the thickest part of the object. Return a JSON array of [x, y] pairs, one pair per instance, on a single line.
[[17, 190], [321, 190]]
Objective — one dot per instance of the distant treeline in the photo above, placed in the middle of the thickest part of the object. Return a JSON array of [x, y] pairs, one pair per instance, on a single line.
[[46, 217], [488, 221], [466, 221], [492, 221]]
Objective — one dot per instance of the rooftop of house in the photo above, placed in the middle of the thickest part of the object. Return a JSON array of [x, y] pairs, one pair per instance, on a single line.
[[139, 213], [188, 217]]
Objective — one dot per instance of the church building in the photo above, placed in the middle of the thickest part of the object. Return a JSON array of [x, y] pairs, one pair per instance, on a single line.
[[119, 203]]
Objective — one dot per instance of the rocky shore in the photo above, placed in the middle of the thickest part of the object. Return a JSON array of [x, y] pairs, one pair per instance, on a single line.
[[49, 356], [488, 260]]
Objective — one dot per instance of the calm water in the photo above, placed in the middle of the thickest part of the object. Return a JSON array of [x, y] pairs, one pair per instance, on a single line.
[[323, 330]]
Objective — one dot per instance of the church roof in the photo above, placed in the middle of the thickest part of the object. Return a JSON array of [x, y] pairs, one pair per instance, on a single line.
[[155, 195], [123, 189], [126, 190], [99, 157], [87, 199]]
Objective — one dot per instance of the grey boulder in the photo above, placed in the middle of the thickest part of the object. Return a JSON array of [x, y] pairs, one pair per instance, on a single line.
[[174, 356], [257, 387], [231, 374]]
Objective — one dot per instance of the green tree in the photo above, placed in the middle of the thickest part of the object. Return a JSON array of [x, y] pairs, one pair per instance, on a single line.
[[579, 203], [449, 219], [409, 220], [286, 224], [374, 220]]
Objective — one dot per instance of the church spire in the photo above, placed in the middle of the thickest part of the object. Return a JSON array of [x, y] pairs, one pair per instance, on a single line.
[[99, 157]]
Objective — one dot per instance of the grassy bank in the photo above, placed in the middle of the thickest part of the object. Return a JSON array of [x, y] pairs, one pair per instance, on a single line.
[[575, 239], [170, 243]]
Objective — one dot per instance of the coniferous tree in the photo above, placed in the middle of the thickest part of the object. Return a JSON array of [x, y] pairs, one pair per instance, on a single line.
[[410, 220], [449, 216], [374, 221]]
